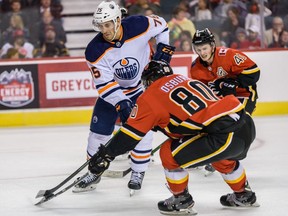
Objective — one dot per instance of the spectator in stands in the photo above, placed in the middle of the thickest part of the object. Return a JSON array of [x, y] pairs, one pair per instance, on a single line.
[[16, 9], [283, 40], [220, 11], [185, 45], [48, 6], [253, 37], [149, 11], [5, 4], [184, 35], [16, 24], [253, 17], [241, 41], [230, 24], [140, 6], [202, 11], [52, 47], [39, 29], [272, 35], [128, 3], [12, 53], [179, 23], [25, 49]]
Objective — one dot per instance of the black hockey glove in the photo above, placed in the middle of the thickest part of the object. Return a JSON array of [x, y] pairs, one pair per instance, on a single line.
[[124, 109], [100, 161], [164, 52], [224, 86]]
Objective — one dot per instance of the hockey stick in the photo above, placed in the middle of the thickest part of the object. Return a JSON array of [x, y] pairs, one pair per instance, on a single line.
[[48, 194], [123, 173]]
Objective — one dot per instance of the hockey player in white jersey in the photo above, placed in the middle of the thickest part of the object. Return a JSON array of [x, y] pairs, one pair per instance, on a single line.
[[116, 57]]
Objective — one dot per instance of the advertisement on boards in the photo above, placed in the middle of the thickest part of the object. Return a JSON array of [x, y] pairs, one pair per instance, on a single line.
[[56, 83], [19, 87], [66, 85]]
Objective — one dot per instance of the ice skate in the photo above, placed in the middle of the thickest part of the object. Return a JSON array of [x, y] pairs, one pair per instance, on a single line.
[[135, 182], [87, 184], [181, 204], [247, 198]]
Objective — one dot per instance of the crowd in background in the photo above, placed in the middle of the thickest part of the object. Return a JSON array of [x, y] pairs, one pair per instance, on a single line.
[[34, 28], [235, 23], [31, 29]]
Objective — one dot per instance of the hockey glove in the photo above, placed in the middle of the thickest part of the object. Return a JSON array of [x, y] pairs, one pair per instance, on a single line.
[[124, 109], [224, 86], [100, 161], [164, 52]]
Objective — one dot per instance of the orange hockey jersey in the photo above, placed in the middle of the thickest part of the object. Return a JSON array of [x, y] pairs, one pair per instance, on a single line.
[[229, 63], [179, 106]]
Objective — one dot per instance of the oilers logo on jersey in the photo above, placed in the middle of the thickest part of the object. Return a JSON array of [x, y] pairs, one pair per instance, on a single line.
[[126, 68]]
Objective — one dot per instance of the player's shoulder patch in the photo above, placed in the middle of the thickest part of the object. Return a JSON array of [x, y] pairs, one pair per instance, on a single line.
[[222, 51]]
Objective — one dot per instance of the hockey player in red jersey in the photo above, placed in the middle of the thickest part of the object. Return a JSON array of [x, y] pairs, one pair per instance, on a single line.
[[116, 57], [225, 70], [202, 128]]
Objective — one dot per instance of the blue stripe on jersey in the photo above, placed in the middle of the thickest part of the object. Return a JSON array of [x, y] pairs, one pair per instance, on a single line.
[[110, 92], [135, 93], [166, 29], [104, 84]]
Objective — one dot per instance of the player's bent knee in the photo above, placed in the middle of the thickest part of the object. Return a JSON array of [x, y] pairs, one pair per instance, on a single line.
[[166, 157]]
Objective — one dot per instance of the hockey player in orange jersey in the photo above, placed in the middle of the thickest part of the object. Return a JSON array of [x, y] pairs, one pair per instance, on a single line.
[[225, 70], [202, 128]]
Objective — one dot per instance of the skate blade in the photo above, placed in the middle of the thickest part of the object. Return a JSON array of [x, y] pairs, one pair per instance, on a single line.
[[81, 190], [131, 192], [256, 204], [188, 211]]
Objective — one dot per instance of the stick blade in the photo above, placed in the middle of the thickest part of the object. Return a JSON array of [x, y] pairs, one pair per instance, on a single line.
[[44, 193], [41, 193], [116, 174], [45, 199]]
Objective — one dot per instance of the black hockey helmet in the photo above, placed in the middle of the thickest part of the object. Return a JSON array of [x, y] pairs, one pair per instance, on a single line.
[[154, 71], [202, 37]]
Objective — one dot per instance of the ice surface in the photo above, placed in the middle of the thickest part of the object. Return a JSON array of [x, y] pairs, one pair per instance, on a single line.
[[33, 159]]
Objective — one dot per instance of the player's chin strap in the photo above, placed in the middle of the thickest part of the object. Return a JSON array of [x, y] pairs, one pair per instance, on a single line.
[[164, 52]]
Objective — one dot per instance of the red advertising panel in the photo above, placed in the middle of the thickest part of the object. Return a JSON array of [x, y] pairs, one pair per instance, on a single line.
[[66, 84], [181, 64]]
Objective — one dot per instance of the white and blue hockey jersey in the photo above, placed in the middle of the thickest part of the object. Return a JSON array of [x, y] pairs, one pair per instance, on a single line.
[[117, 66]]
